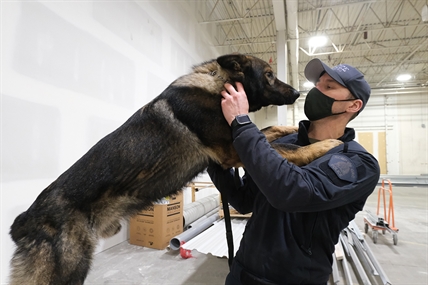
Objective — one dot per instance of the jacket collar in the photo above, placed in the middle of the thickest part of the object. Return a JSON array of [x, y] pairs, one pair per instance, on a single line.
[[303, 138]]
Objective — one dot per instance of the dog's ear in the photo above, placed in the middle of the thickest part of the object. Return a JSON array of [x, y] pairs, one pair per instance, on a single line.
[[234, 62]]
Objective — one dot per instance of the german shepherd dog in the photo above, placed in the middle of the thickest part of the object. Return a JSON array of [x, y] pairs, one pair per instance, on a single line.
[[155, 153]]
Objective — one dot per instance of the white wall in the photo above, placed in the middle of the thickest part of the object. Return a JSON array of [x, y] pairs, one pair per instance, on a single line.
[[402, 115], [412, 120], [72, 72]]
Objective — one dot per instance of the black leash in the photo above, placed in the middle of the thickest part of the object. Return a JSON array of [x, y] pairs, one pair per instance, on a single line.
[[227, 221], [228, 224]]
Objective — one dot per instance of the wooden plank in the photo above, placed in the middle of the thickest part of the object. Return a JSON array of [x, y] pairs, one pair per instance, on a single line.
[[338, 251]]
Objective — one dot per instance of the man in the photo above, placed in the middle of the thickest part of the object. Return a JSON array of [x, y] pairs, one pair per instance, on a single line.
[[298, 212]]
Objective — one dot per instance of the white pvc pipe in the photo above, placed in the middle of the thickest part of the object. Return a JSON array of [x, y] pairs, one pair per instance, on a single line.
[[196, 229], [201, 219], [195, 210]]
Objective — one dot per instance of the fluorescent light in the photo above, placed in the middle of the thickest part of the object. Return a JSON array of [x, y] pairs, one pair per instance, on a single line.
[[403, 77], [317, 41], [308, 84], [424, 13]]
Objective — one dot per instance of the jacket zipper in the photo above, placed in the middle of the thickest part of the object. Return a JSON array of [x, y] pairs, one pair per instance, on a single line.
[[308, 249]]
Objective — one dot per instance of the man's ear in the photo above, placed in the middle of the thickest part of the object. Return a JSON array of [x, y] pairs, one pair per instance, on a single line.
[[356, 106], [233, 62]]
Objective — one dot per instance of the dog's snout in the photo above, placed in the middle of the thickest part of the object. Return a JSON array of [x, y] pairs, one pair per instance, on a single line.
[[296, 94], [292, 96]]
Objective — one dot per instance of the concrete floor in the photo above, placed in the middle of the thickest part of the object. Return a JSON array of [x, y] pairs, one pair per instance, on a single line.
[[405, 263]]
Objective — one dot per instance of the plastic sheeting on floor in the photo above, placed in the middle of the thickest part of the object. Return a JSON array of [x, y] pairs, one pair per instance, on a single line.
[[213, 240]]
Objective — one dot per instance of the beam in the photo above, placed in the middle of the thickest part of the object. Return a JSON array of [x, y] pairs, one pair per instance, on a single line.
[[281, 52], [237, 19]]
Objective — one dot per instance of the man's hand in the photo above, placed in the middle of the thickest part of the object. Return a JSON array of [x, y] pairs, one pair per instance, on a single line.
[[234, 102]]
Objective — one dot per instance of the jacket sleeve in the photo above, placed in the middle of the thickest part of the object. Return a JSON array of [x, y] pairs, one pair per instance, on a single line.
[[334, 180], [240, 194]]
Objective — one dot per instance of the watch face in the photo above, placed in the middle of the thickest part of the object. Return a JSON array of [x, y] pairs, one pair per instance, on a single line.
[[243, 119]]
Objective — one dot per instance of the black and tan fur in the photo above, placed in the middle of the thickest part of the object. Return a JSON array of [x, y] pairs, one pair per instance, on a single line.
[[155, 153]]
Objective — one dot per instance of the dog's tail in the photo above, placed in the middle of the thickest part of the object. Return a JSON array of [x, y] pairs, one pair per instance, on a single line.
[[48, 256]]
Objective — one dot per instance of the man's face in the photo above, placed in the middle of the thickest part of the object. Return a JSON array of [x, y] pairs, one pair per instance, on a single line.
[[333, 89]]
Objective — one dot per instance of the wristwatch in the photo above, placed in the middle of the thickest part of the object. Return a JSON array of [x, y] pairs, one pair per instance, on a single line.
[[240, 120]]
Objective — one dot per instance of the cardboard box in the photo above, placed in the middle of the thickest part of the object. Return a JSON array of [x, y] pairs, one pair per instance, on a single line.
[[156, 226]]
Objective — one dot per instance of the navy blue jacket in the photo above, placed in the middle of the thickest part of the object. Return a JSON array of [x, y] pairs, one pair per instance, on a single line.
[[298, 212]]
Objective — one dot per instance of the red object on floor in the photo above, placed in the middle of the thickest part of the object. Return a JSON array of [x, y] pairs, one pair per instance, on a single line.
[[185, 253]]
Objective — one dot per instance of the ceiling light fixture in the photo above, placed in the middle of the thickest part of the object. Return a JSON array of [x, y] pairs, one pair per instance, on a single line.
[[320, 41], [317, 41], [424, 13], [404, 77], [308, 84]]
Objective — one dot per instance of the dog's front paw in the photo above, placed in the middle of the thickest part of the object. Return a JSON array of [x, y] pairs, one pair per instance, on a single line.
[[326, 145], [306, 154], [274, 132], [322, 147]]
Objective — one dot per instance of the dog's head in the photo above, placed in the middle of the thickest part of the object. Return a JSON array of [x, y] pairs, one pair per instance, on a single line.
[[260, 83]]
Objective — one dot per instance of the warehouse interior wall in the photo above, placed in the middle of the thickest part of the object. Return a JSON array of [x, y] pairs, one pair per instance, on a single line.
[[72, 72]]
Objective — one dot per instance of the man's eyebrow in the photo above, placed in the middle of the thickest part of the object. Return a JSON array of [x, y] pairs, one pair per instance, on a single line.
[[328, 80]]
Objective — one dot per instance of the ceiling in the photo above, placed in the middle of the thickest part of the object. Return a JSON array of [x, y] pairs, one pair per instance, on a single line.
[[381, 38]]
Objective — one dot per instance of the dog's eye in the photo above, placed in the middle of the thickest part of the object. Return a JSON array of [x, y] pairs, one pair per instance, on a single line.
[[270, 75]]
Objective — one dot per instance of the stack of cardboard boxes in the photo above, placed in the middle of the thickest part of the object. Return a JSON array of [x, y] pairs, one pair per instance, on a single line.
[[155, 226]]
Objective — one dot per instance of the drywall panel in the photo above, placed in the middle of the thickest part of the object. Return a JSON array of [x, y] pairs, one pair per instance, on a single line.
[[34, 131], [58, 53], [381, 152], [413, 120], [366, 140]]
